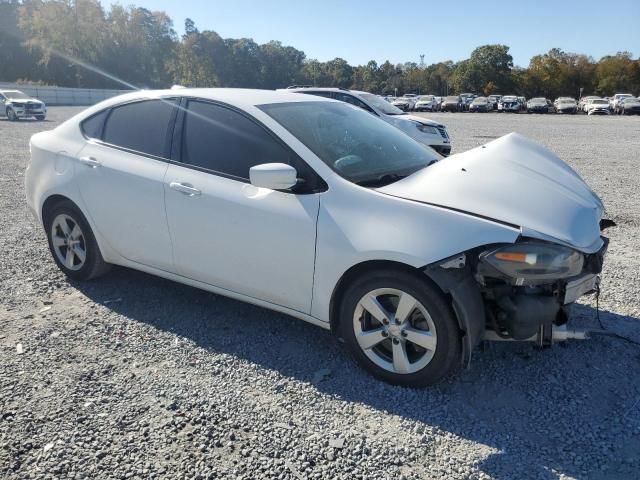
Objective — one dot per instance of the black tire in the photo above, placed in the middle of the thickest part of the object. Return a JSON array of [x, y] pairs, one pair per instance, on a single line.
[[94, 265], [448, 351], [40, 117], [11, 115]]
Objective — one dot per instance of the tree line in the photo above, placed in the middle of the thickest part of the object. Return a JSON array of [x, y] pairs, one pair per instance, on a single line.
[[79, 43]]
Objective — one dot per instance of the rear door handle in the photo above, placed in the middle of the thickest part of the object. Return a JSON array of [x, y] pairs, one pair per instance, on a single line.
[[90, 162], [185, 188]]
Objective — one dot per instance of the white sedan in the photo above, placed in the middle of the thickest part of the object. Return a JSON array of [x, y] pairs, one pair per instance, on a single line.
[[317, 209]]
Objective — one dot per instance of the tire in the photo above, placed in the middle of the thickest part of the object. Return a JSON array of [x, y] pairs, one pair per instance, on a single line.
[[40, 117], [83, 242], [431, 321], [11, 115]]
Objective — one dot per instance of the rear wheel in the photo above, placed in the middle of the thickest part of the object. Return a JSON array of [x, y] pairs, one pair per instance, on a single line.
[[400, 328], [72, 243]]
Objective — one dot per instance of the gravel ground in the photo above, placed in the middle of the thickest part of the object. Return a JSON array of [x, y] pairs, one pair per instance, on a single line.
[[133, 376]]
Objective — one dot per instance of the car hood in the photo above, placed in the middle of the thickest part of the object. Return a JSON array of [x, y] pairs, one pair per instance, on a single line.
[[515, 181], [23, 100]]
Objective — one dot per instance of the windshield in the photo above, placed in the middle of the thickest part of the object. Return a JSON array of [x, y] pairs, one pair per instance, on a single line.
[[600, 102], [539, 100], [479, 100], [566, 100], [16, 94], [380, 104], [425, 98], [451, 99], [355, 144], [509, 99]]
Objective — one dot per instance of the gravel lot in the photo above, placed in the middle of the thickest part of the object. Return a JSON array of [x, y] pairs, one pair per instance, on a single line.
[[132, 376]]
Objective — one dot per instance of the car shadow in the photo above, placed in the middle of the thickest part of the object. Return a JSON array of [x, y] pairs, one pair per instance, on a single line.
[[525, 405]]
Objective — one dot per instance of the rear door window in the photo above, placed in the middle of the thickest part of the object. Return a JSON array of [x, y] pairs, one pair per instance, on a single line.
[[141, 126]]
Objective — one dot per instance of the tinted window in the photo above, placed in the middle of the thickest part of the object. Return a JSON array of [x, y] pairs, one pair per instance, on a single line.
[[224, 141], [92, 126], [343, 97], [140, 126]]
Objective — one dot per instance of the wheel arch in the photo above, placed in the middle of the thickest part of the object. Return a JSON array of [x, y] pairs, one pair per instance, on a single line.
[[49, 204], [456, 284]]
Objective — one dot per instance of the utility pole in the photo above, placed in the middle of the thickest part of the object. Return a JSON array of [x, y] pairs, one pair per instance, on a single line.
[[422, 60]]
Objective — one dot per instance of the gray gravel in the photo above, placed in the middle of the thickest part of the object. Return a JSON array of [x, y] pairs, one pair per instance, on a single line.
[[132, 376]]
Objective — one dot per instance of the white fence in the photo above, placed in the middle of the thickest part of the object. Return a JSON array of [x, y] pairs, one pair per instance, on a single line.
[[64, 95]]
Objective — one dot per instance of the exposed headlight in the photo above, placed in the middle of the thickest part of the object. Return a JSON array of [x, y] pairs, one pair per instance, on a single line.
[[535, 261], [427, 128]]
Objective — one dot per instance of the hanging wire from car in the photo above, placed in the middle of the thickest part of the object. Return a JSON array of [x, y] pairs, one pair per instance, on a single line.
[[604, 330]]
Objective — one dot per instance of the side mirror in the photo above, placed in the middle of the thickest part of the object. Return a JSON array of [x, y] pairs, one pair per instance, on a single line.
[[276, 176]]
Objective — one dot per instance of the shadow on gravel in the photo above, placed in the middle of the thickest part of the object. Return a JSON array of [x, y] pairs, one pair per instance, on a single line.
[[562, 410]]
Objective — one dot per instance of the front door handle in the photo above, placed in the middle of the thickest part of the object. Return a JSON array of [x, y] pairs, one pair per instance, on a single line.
[[90, 162], [185, 188]]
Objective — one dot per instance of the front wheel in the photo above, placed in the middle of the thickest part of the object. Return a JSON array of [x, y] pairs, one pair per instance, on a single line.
[[11, 115], [72, 243], [400, 328], [40, 117]]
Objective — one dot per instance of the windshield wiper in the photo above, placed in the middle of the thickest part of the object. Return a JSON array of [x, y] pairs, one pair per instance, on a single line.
[[381, 181]]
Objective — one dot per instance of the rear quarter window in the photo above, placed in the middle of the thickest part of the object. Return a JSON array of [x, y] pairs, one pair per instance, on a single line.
[[92, 126]]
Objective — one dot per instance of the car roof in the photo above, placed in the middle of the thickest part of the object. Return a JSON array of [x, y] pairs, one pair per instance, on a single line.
[[11, 91], [237, 96]]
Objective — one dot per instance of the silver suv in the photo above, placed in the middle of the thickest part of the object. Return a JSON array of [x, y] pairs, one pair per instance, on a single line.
[[16, 104], [425, 131]]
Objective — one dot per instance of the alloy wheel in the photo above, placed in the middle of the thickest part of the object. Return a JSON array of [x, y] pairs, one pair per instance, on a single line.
[[69, 244], [395, 331]]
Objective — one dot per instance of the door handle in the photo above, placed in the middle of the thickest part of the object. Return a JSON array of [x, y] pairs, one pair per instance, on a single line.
[[185, 188], [90, 162]]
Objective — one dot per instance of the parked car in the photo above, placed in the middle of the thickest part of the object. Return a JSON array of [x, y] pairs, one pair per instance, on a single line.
[[413, 98], [523, 103], [615, 100], [452, 103], [480, 104], [425, 131], [16, 105], [598, 106], [628, 106], [509, 103], [539, 105], [566, 105], [583, 102], [426, 103], [403, 103], [494, 99], [467, 98], [324, 212]]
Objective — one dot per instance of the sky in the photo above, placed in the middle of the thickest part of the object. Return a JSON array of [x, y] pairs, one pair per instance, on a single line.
[[400, 31]]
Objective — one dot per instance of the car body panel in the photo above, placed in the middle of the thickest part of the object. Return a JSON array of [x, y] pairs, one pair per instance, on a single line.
[[350, 234], [123, 180], [242, 238], [513, 180]]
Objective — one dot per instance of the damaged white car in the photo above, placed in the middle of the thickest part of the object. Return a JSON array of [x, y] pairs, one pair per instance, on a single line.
[[317, 209]]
